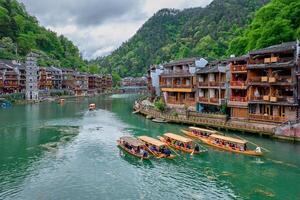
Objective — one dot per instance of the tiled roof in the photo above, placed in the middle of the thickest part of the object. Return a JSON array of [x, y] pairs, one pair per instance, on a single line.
[[287, 46]]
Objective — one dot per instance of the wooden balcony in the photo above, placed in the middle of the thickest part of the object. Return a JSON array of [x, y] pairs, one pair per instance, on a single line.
[[239, 99], [176, 73], [186, 101], [203, 99], [206, 100], [269, 118], [203, 84], [274, 99], [214, 100], [239, 84], [238, 68], [10, 85]]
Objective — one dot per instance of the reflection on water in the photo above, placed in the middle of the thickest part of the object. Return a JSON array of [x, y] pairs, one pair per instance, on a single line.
[[52, 151]]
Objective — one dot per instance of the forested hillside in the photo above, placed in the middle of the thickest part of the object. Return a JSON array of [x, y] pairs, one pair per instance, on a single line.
[[278, 21], [21, 33], [172, 34]]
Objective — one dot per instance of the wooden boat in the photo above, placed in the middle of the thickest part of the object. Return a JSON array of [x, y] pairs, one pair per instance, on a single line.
[[92, 106], [135, 112], [133, 146], [180, 143], [222, 142], [61, 101], [199, 133], [160, 147], [159, 120]]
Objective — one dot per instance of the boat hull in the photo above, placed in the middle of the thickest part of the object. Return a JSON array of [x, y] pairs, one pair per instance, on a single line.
[[177, 147], [130, 152], [210, 143]]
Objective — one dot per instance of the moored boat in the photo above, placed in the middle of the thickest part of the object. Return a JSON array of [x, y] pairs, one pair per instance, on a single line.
[[61, 101], [133, 146], [156, 147], [159, 120], [216, 140], [92, 106], [180, 143]]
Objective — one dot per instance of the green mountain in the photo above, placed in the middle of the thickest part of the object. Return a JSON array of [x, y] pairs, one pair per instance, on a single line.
[[21, 33], [173, 34], [278, 21]]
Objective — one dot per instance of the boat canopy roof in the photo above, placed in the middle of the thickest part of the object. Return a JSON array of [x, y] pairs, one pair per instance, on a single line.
[[203, 130], [152, 141], [229, 139], [178, 137], [132, 141]]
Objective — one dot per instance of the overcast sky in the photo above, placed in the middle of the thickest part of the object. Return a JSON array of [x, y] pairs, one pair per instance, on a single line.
[[98, 27]]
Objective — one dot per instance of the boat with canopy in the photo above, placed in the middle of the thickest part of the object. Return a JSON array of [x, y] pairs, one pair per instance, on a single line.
[[213, 138], [156, 147], [180, 143], [199, 133], [133, 146]]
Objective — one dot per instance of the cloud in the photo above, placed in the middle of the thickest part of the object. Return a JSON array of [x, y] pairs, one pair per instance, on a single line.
[[98, 27]]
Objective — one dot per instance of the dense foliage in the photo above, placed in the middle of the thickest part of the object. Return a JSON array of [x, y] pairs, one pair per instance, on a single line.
[[20, 33], [173, 34], [278, 21]]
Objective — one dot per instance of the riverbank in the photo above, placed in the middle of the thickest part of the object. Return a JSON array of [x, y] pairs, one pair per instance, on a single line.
[[48, 151], [220, 122]]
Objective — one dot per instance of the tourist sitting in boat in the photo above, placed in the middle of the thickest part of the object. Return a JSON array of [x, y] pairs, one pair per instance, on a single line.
[[153, 148], [167, 152], [197, 148], [179, 142], [156, 147], [133, 146]]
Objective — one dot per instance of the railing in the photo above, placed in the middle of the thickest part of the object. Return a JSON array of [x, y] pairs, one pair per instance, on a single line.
[[176, 86], [238, 68], [203, 99], [239, 99], [271, 60], [280, 79], [187, 101], [269, 118], [214, 83], [10, 85], [214, 100], [176, 72], [202, 84], [238, 83], [259, 98]]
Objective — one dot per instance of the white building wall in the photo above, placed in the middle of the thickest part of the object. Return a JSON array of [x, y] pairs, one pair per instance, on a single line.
[[32, 90], [155, 78]]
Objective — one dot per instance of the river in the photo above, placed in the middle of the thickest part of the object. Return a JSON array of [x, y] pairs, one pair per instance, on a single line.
[[52, 151]]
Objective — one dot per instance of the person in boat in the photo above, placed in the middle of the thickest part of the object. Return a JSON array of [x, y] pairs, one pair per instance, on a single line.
[[144, 153], [197, 148], [245, 147], [167, 152], [181, 144], [153, 148], [188, 146]]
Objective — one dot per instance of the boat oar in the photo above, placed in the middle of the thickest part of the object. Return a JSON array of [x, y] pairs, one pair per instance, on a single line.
[[205, 149], [152, 151], [267, 150], [193, 152]]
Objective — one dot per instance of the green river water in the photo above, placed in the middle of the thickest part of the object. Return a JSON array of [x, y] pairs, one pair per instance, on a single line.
[[52, 151]]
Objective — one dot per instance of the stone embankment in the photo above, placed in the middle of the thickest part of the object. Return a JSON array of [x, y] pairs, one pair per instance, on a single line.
[[221, 122]]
